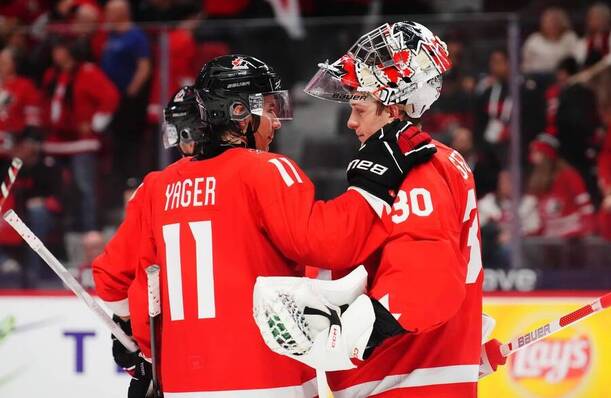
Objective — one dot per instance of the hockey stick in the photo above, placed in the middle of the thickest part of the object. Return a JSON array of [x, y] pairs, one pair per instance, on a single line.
[[495, 353], [154, 304], [321, 384], [8, 182], [32, 240]]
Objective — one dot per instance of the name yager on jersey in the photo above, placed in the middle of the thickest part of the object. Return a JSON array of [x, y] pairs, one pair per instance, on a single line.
[[189, 192]]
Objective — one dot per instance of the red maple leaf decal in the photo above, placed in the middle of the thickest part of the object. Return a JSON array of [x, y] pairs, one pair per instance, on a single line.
[[401, 61], [438, 54], [237, 61]]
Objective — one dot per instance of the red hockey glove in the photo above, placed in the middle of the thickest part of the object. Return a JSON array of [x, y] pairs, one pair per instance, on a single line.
[[490, 358], [412, 138]]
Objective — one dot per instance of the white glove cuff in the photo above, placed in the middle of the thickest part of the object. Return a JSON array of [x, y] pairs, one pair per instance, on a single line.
[[357, 325]]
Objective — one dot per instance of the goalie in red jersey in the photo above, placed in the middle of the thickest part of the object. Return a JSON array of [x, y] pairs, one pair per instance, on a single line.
[[415, 325], [216, 221]]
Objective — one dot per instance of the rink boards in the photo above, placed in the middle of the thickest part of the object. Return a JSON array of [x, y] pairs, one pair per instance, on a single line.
[[57, 348], [574, 363]]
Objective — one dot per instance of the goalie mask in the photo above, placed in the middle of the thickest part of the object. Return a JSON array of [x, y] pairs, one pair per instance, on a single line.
[[182, 124], [232, 88], [400, 63]]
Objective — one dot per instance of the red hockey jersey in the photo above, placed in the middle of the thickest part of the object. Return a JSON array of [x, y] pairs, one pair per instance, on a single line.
[[114, 270], [429, 275], [566, 209], [19, 107], [213, 226], [76, 98]]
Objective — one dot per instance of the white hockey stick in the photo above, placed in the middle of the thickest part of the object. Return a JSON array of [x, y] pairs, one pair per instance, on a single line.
[[11, 176], [321, 384], [32, 240], [495, 354], [154, 304]]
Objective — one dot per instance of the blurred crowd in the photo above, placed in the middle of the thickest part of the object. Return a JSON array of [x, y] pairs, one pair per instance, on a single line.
[[81, 89], [565, 109]]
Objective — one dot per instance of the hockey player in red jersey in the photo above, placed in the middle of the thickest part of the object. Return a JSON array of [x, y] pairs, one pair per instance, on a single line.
[[425, 283], [218, 220], [114, 269]]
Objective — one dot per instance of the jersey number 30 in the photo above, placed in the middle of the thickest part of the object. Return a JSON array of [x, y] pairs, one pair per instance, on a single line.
[[202, 234], [421, 204]]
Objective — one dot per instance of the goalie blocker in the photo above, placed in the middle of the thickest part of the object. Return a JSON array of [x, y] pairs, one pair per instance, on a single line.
[[323, 324]]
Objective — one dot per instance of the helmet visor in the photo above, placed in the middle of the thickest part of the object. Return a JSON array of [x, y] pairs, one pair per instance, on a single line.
[[169, 134], [274, 104], [327, 84]]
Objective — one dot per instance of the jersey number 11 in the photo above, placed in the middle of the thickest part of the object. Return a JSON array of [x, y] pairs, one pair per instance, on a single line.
[[202, 234]]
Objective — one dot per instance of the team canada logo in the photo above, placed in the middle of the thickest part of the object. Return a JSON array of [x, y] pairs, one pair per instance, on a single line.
[[553, 367], [239, 63]]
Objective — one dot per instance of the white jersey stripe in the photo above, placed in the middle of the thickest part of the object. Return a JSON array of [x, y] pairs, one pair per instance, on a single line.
[[171, 237], [202, 232], [11, 174], [417, 378], [285, 160], [306, 390], [283, 173]]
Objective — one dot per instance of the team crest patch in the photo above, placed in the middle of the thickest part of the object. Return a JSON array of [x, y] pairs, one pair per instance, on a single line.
[[239, 63]]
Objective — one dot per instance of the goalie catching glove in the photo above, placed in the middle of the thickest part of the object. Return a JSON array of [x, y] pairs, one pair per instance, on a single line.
[[322, 324]]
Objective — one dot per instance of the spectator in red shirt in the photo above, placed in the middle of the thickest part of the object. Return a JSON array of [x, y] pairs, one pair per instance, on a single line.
[[24, 11], [19, 101], [80, 102], [564, 204], [36, 196]]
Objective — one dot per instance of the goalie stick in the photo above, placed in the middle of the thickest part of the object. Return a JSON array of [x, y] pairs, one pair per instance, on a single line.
[[36, 244], [154, 304], [495, 353], [11, 176]]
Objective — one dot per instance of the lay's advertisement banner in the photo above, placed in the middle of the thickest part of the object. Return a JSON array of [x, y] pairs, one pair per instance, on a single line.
[[573, 363]]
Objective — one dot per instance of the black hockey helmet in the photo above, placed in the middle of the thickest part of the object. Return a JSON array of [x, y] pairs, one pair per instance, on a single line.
[[230, 88], [182, 123]]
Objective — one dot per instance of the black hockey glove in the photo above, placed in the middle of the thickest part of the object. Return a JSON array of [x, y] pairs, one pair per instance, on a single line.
[[121, 355], [142, 380], [380, 165], [138, 368]]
